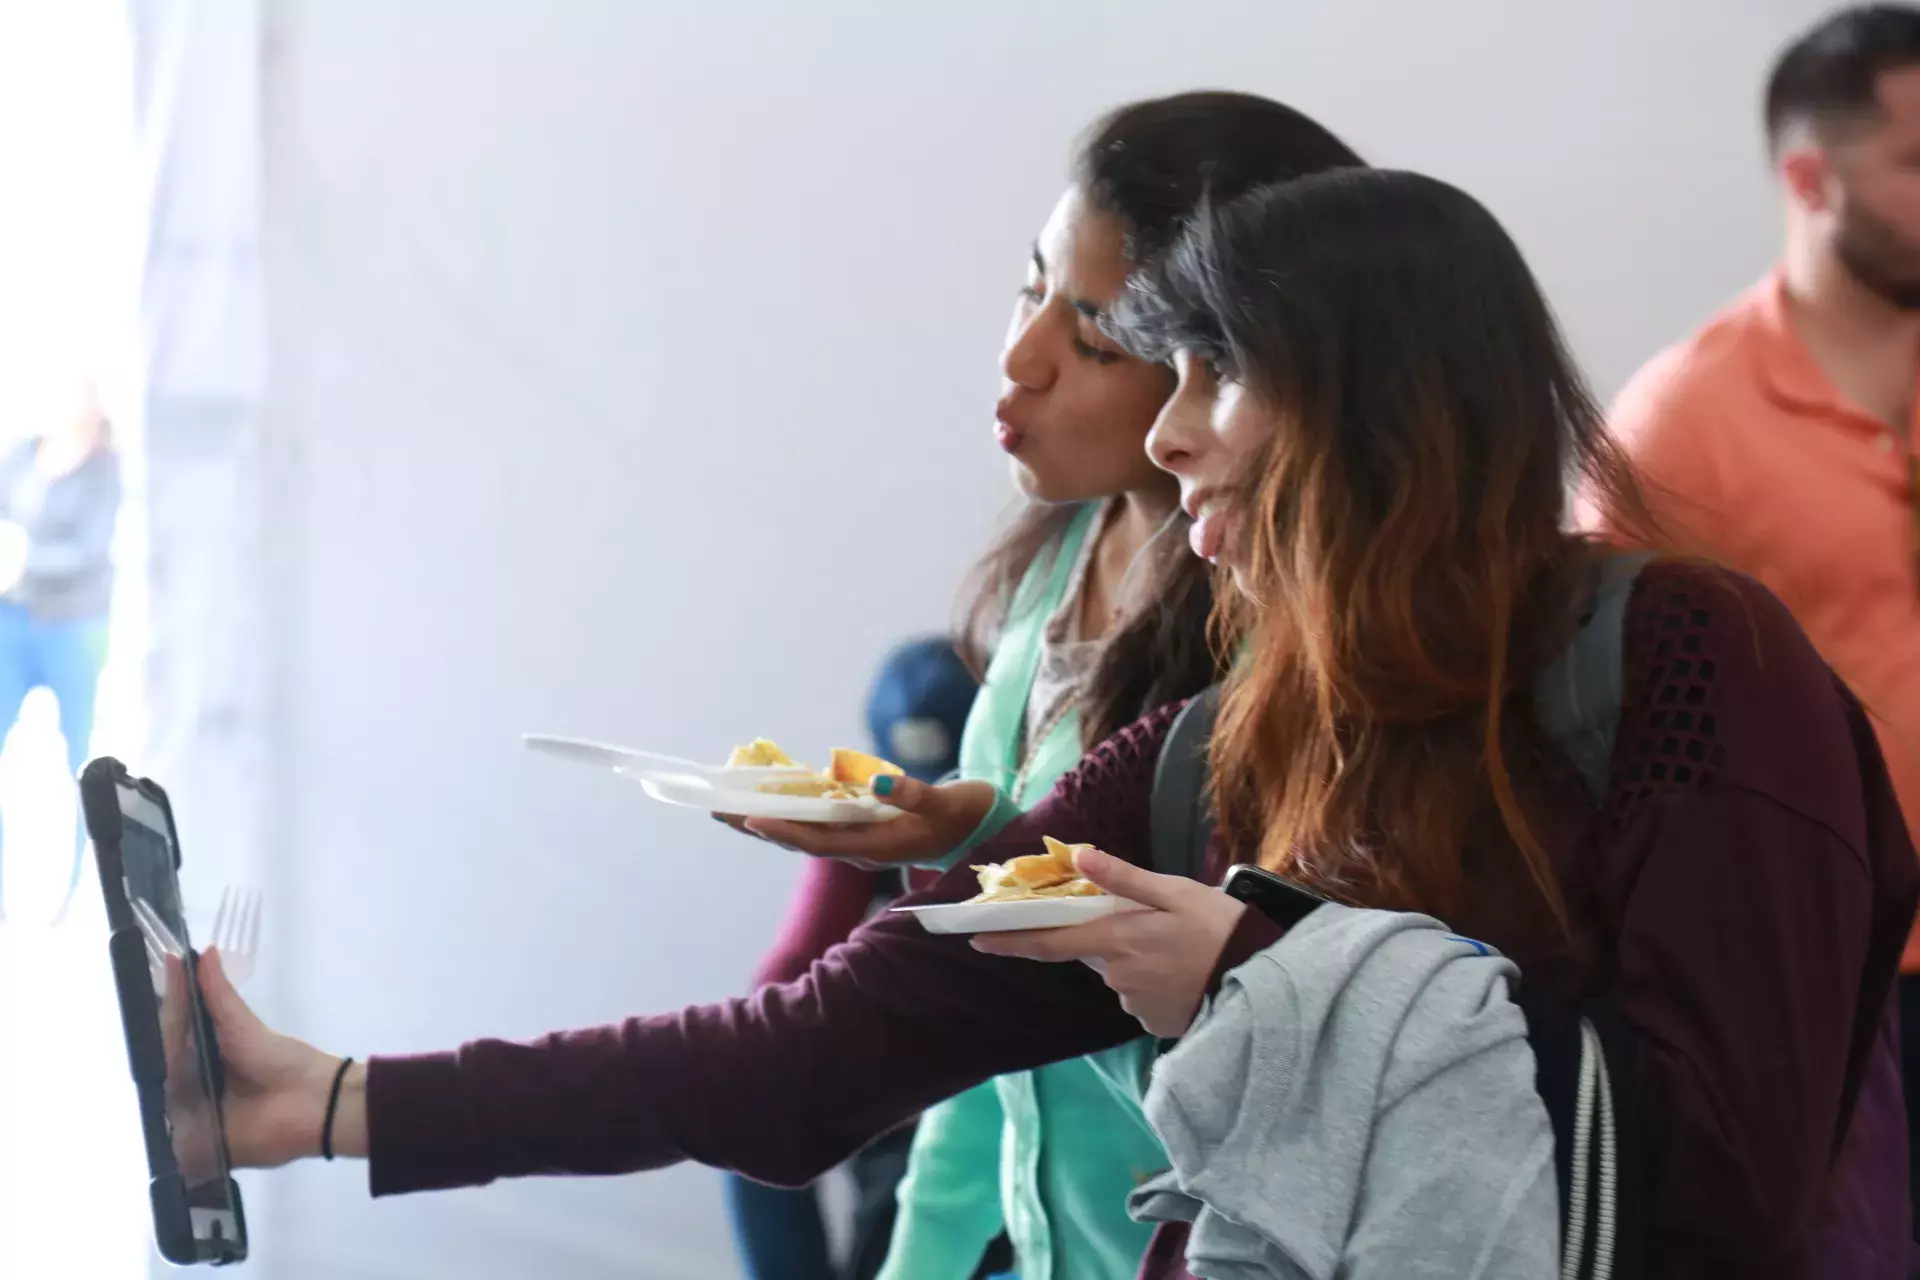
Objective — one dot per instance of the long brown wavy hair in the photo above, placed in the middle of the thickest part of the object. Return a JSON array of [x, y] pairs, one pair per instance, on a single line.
[[1149, 164], [1406, 568]]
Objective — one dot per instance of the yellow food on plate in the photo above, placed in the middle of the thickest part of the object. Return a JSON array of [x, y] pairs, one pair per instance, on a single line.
[[760, 754], [817, 786], [858, 769], [849, 777], [1042, 875]]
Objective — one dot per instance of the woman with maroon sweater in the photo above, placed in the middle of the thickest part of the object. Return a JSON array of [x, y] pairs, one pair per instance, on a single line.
[[1374, 425]]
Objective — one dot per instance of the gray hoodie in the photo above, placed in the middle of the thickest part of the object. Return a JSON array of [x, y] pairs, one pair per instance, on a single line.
[[1359, 1102]]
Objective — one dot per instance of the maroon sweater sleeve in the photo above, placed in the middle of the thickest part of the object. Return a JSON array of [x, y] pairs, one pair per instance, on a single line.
[[784, 1084], [1255, 932], [828, 904], [1745, 909], [1744, 1027]]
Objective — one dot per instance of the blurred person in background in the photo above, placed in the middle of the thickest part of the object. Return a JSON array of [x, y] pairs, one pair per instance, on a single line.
[[59, 498], [1780, 439], [916, 712]]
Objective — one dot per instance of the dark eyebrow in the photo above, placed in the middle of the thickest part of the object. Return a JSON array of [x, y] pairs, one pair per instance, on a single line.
[[1091, 310]]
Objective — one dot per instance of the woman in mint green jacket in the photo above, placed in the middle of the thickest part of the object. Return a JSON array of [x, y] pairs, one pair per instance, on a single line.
[[1092, 611]]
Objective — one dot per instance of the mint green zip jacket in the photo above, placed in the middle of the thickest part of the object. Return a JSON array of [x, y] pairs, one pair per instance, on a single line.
[[1050, 1155]]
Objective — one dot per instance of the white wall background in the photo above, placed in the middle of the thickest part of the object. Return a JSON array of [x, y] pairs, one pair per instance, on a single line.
[[630, 373]]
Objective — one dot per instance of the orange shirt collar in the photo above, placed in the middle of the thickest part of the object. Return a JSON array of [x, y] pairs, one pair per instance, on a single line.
[[1787, 369]]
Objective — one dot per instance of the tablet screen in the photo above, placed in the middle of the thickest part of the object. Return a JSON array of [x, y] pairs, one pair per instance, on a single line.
[[153, 892]]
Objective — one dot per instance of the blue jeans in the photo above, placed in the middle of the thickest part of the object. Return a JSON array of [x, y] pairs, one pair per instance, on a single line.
[[779, 1232], [64, 655]]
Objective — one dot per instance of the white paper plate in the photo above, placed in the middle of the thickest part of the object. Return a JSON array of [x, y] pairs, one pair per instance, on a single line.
[[699, 793], [604, 755], [1028, 913]]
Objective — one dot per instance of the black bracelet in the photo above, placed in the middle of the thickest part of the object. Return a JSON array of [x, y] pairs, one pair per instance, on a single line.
[[333, 1105]]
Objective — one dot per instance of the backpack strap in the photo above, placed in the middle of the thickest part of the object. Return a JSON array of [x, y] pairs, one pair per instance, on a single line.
[[1181, 823], [1576, 698], [1626, 1171], [1584, 1068]]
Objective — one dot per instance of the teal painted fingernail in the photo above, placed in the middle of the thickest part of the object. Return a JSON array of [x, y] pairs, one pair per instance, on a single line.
[[883, 785]]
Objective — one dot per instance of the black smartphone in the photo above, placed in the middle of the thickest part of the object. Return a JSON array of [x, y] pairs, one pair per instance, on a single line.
[[1278, 898], [197, 1214]]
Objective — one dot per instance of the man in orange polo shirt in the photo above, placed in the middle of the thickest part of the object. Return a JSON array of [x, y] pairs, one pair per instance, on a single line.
[[1780, 439]]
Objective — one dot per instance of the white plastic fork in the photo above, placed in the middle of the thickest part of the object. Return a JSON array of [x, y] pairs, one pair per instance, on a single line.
[[236, 932]]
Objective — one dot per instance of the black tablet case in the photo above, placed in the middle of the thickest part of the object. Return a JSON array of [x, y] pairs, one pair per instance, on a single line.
[[173, 1234]]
